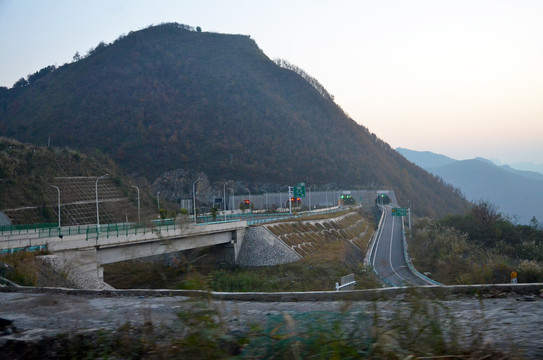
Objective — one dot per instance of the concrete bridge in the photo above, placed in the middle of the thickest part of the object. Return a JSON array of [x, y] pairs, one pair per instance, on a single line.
[[89, 253]]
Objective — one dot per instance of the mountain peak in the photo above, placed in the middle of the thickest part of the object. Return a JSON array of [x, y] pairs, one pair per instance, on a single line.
[[167, 98], [486, 161]]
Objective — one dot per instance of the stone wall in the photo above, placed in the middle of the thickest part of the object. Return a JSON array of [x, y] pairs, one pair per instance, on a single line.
[[261, 248]]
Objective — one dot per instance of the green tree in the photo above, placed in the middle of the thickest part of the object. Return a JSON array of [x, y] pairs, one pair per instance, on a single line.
[[534, 223], [214, 212]]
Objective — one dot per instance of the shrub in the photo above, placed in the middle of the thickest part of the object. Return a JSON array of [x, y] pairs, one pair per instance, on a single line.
[[530, 271]]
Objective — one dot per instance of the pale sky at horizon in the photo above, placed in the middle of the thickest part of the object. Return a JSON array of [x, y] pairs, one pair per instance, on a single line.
[[462, 78]]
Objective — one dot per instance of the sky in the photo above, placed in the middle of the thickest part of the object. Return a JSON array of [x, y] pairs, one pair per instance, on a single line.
[[462, 78]]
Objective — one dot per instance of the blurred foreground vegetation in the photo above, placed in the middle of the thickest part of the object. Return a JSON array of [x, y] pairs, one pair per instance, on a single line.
[[413, 328]]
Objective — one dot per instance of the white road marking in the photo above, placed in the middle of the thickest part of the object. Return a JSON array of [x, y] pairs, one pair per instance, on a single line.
[[390, 252]]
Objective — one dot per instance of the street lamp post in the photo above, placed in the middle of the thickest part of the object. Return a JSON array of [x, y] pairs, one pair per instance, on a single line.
[[290, 200], [194, 198], [314, 185], [97, 211], [139, 214], [224, 194], [265, 199], [58, 191], [233, 198], [249, 199], [158, 202]]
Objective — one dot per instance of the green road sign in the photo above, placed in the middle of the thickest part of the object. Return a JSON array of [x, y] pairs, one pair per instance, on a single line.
[[299, 190], [399, 212]]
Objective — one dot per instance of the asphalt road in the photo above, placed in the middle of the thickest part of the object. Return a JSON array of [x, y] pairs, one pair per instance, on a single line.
[[388, 258]]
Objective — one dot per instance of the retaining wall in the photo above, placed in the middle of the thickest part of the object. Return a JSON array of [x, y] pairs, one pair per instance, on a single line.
[[261, 248]]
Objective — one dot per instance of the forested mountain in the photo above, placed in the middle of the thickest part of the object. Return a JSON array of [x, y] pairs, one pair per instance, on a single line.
[[168, 97]]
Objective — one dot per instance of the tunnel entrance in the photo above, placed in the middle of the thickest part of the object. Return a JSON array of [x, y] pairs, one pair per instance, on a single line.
[[382, 199]]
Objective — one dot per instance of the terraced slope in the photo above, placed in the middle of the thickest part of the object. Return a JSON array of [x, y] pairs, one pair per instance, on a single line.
[[309, 236]]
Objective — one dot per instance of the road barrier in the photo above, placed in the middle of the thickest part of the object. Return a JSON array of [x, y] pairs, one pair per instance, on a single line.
[[25, 228]]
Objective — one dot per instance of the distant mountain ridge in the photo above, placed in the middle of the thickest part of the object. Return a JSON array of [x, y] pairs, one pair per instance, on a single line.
[[167, 97], [517, 193], [526, 166], [425, 159]]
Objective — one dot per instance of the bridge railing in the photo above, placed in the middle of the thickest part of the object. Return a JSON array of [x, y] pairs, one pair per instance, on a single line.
[[265, 218], [90, 231], [25, 228], [125, 229]]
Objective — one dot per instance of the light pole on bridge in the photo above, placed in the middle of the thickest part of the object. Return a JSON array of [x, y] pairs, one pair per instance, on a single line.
[[194, 198], [139, 214], [97, 211], [250, 208], [266, 199], [315, 186], [224, 194], [58, 190]]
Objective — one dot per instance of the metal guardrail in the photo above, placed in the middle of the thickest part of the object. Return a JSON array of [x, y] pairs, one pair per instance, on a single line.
[[25, 228], [410, 264], [29, 248], [90, 232], [217, 222], [293, 216], [346, 281], [266, 217]]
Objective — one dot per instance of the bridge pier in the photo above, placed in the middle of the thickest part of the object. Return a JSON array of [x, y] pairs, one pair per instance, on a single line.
[[228, 253], [83, 267], [87, 259]]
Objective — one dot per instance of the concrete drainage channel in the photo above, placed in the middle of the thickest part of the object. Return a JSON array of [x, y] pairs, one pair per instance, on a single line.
[[433, 291]]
